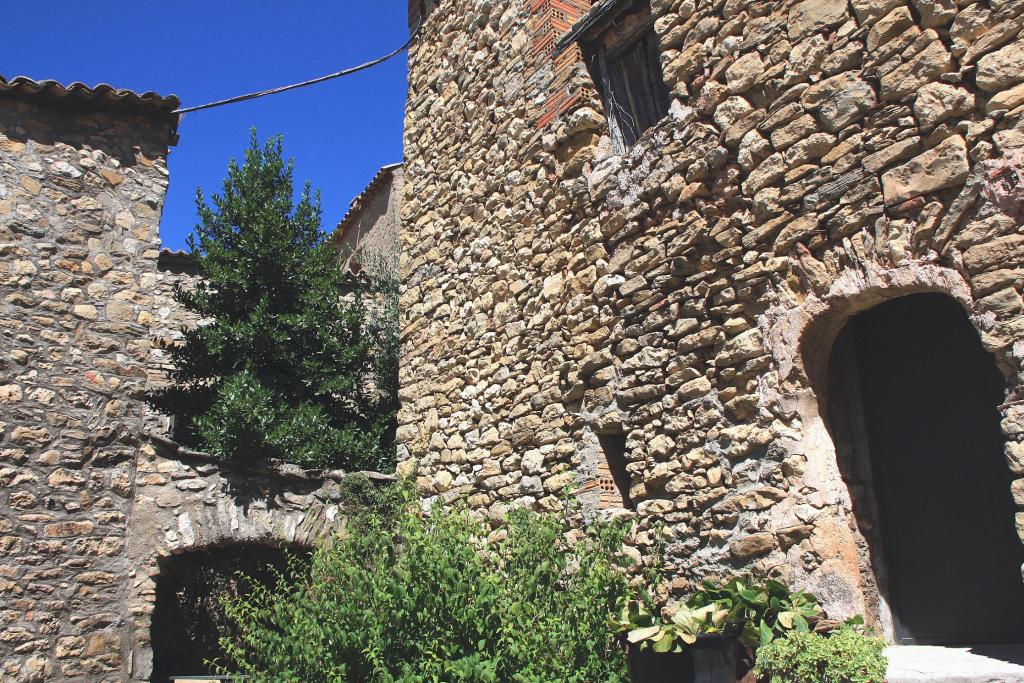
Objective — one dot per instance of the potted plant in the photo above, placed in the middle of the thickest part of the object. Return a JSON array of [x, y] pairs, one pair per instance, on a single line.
[[760, 611], [696, 645], [712, 636]]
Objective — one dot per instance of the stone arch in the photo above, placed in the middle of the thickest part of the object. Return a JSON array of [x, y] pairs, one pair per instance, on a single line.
[[184, 506], [800, 337]]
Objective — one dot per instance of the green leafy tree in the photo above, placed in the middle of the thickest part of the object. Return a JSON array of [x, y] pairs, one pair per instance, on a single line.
[[285, 366]]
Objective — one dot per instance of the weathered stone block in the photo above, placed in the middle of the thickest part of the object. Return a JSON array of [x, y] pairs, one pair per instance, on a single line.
[[767, 173], [750, 344], [754, 545], [892, 154], [936, 13], [755, 499], [1003, 251], [888, 27], [30, 436], [925, 67], [793, 132], [840, 100], [814, 15], [937, 102], [68, 529], [867, 10], [942, 167], [1015, 457], [744, 73], [1002, 68], [1006, 99]]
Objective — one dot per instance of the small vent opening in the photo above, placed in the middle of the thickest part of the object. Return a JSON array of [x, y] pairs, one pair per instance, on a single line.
[[612, 477]]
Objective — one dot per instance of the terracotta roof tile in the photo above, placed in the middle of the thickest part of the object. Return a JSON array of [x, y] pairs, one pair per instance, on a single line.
[[357, 204], [179, 261], [100, 96]]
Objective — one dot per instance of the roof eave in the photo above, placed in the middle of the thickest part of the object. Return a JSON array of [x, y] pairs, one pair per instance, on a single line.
[[100, 97], [599, 15], [346, 222]]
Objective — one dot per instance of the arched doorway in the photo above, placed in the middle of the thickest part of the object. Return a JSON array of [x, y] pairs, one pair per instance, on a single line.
[[912, 405], [187, 617]]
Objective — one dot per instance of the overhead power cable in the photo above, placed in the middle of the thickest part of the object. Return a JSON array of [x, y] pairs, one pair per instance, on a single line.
[[303, 84]]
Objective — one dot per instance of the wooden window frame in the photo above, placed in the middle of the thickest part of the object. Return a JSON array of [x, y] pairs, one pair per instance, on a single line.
[[630, 81]]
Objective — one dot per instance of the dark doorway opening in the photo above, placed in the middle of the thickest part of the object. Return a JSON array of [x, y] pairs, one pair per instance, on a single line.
[[188, 619], [913, 409]]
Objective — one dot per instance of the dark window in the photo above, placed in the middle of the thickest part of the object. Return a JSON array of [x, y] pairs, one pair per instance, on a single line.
[[626, 64], [635, 92]]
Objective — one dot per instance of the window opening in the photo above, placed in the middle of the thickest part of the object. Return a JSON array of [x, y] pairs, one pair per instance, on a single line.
[[625, 62], [612, 477]]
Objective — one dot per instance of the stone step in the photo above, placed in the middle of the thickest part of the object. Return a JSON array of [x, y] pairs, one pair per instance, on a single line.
[[975, 664]]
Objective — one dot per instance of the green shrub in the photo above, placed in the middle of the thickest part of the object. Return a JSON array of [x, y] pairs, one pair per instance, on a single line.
[[421, 599], [845, 656]]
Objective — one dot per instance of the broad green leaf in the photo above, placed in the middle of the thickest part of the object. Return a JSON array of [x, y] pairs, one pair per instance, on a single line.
[[638, 634], [664, 643]]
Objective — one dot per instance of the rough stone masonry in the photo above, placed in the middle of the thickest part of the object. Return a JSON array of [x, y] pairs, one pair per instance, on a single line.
[[818, 157], [93, 495], [81, 188]]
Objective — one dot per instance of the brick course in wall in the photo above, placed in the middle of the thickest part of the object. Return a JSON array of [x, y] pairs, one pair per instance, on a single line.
[[550, 19]]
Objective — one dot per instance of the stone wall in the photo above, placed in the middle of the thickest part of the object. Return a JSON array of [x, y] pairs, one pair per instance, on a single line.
[[369, 231], [80, 199], [818, 157], [94, 497], [186, 501]]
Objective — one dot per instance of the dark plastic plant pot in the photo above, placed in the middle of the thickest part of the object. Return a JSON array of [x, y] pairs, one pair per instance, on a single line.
[[712, 659]]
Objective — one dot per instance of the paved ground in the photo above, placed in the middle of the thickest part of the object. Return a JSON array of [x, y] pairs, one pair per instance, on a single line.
[[982, 664]]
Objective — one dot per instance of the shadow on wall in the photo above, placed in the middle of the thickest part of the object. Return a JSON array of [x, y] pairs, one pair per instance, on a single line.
[[188, 618], [115, 136]]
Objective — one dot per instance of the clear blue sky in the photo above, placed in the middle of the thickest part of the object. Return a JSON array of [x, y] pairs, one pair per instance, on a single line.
[[339, 132]]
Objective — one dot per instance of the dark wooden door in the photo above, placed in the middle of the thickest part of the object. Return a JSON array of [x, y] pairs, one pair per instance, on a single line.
[[930, 394]]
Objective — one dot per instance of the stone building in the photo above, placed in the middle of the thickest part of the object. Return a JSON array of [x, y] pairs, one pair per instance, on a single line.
[[369, 229], [82, 178], [750, 270], [97, 505]]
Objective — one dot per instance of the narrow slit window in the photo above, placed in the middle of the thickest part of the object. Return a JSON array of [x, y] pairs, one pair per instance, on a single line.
[[612, 477]]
